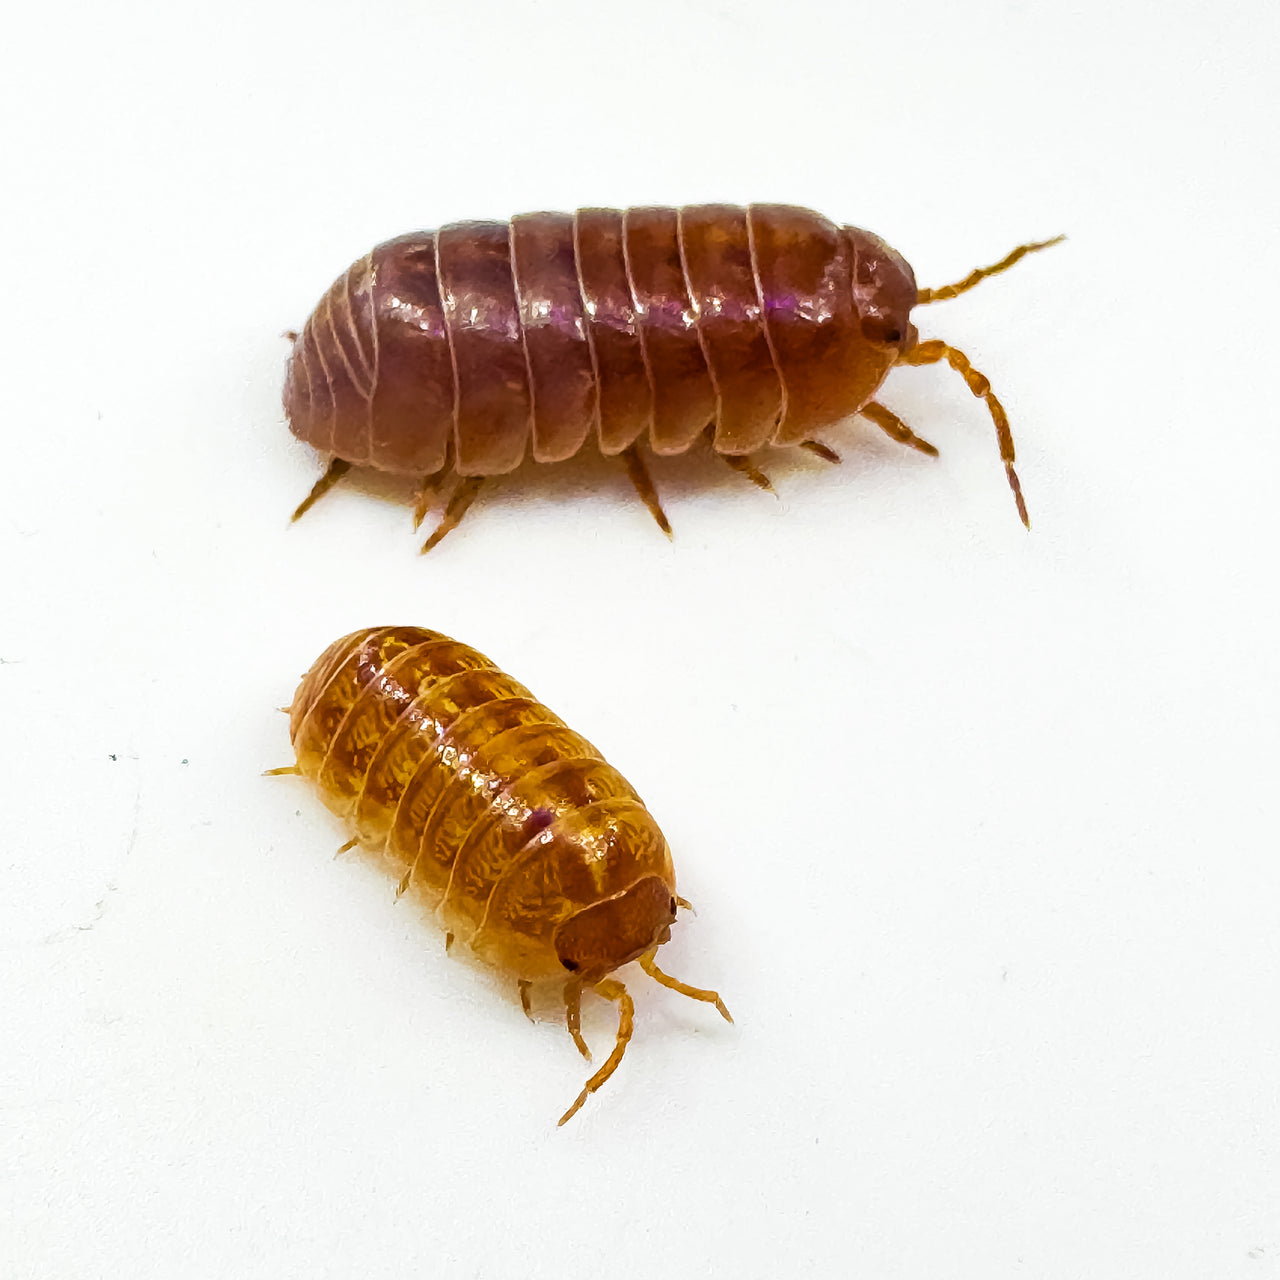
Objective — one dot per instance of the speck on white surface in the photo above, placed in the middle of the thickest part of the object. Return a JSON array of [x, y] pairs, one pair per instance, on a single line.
[[980, 826]]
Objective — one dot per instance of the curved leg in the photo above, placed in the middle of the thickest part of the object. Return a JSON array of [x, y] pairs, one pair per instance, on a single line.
[[893, 426], [823, 451], [643, 482], [431, 486], [744, 466], [934, 352], [963, 286], [650, 966], [573, 1016], [615, 991], [427, 491], [337, 468], [524, 984], [463, 496]]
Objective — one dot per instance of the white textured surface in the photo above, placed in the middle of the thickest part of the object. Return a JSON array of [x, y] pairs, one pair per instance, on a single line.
[[981, 826]]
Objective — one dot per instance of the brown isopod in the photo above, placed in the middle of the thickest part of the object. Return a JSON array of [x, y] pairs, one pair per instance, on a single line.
[[450, 351], [530, 848]]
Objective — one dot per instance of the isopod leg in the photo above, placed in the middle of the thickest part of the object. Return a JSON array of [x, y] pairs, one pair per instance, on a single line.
[[744, 466], [573, 1016], [893, 426], [426, 495], [823, 451], [643, 482], [946, 291], [336, 470], [615, 991], [650, 966], [524, 984], [463, 496], [430, 487], [280, 773], [934, 352], [346, 848]]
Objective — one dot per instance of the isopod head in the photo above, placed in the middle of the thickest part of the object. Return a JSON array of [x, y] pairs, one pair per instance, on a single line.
[[884, 291], [606, 935]]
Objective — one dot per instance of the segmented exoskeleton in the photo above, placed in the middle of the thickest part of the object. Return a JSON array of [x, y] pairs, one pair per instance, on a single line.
[[534, 852], [459, 351]]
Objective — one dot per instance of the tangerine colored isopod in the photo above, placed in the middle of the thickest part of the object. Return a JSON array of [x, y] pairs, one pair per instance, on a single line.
[[459, 351], [529, 847]]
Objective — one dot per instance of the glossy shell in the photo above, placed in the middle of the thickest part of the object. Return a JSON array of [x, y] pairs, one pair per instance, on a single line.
[[482, 342], [536, 852]]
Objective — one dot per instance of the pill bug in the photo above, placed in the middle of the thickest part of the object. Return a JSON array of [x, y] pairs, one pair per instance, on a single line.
[[455, 352], [531, 849]]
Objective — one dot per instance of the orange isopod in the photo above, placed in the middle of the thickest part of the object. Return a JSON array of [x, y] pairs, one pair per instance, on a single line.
[[530, 848], [456, 352]]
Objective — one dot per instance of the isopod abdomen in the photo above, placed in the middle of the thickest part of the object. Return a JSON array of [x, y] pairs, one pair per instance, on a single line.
[[531, 849], [462, 351]]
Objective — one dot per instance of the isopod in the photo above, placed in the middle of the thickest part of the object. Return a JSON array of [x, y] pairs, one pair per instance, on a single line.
[[457, 351], [529, 847]]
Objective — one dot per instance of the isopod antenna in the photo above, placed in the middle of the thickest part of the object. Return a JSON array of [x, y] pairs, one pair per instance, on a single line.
[[936, 352], [978, 274]]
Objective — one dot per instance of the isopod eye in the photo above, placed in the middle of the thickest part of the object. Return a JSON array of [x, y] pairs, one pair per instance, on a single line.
[[571, 965], [879, 328], [672, 908]]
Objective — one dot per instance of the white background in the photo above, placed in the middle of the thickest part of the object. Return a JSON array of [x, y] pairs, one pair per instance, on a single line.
[[981, 825]]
